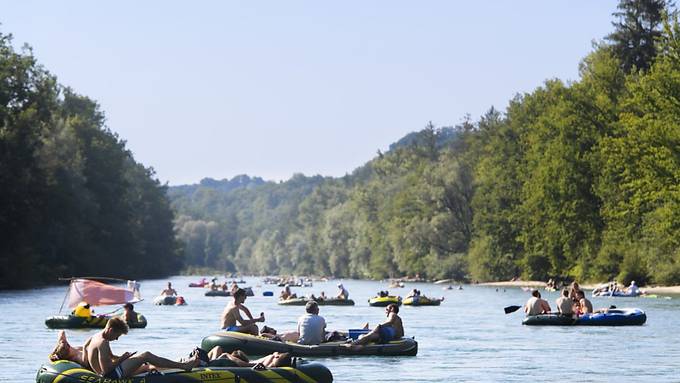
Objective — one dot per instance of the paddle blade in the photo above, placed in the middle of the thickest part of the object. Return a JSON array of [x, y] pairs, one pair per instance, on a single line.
[[511, 309]]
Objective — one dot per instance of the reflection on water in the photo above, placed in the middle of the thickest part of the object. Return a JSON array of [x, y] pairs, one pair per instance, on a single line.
[[468, 338]]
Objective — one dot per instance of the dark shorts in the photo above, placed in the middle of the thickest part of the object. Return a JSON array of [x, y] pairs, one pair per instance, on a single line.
[[117, 373], [387, 334]]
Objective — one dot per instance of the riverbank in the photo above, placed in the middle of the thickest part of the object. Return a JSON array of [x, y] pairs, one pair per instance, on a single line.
[[540, 284]]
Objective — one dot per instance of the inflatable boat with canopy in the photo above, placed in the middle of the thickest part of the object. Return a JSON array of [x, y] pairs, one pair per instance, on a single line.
[[84, 293]]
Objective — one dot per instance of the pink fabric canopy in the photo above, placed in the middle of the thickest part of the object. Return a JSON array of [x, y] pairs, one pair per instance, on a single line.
[[100, 294]]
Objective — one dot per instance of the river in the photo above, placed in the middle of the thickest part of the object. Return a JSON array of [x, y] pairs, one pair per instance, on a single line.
[[468, 338]]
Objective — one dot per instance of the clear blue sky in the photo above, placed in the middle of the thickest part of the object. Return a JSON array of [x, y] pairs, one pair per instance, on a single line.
[[271, 88]]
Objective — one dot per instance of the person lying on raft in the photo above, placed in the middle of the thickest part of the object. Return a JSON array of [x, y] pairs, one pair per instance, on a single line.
[[536, 305], [98, 357], [232, 315], [64, 351], [385, 332], [240, 359]]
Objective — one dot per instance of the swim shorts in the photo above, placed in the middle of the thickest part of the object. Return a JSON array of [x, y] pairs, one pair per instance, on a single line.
[[387, 333], [117, 373], [231, 328]]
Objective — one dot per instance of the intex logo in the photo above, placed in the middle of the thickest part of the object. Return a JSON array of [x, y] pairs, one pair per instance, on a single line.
[[209, 375]]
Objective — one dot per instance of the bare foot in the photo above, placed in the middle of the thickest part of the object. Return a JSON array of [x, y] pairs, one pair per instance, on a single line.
[[191, 363]]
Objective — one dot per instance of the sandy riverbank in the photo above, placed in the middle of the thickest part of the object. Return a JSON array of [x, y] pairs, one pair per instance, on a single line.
[[540, 284]]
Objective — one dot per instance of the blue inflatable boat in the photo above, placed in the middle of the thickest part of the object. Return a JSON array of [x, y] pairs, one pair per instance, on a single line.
[[613, 317]]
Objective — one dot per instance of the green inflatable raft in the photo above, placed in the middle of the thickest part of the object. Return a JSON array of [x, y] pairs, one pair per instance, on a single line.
[[321, 302], [256, 345], [222, 293], [72, 321], [384, 301], [422, 301], [63, 371]]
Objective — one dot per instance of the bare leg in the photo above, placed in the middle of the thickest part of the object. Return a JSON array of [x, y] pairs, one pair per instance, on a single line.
[[131, 365], [215, 353], [371, 336], [250, 329], [292, 336]]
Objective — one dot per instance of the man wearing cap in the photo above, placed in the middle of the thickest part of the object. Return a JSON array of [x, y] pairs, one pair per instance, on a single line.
[[311, 326], [343, 294]]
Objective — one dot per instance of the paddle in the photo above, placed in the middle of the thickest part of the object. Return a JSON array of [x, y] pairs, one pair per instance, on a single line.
[[511, 309]]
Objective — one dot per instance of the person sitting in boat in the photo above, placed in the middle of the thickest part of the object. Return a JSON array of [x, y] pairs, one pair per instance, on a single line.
[[311, 326], [564, 303], [213, 284], [536, 305], [240, 359], [232, 315], [391, 329], [83, 310], [99, 358], [286, 294], [343, 293], [129, 315], [322, 297], [633, 289], [573, 290], [383, 294], [585, 307], [169, 291]]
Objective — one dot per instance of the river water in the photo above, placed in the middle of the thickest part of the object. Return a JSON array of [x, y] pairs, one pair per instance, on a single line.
[[468, 338]]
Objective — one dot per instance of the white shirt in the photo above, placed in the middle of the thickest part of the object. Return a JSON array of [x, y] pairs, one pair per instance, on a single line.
[[312, 329]]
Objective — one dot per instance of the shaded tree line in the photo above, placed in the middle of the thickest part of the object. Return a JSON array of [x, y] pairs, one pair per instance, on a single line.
[[574, 180], [73, 201]]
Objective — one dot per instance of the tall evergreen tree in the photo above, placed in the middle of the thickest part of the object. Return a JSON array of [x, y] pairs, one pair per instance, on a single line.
[[636, 32]]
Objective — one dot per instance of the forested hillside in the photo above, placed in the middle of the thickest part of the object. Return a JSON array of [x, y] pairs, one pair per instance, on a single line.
[[73, 201], [573, 180]]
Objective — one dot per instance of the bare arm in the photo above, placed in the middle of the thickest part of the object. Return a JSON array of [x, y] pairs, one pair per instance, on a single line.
[[247, 322], [245, 310]]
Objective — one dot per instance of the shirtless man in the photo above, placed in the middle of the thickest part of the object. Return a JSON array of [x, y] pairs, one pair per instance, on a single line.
[[564, 303], [169, 291], [232, 314], [129, 315], [536, 305], [99, 358], [385, 332]]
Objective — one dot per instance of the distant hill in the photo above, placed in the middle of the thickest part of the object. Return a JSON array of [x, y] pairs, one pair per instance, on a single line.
[[443, 136], [225, 185]]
